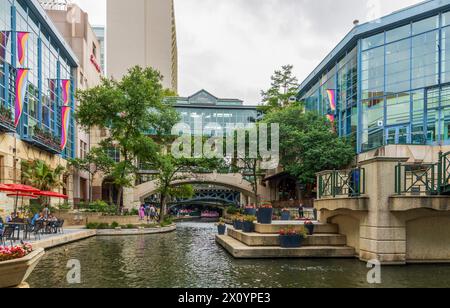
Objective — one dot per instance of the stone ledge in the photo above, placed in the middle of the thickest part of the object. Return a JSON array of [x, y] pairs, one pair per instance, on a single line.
[[129, 232], [63, 239], [240, 251], [256, 239], [407, 203], [345, 203], [276, 227]]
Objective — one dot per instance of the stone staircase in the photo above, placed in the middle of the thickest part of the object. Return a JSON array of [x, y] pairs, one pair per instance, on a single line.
[[264, 243]]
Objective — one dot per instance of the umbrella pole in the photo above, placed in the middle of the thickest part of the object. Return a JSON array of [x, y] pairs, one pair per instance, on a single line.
[[15, 205]]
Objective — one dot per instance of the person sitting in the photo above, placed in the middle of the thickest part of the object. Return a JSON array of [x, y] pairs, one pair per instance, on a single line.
[[1, 223], [35, 218], [10, 218]]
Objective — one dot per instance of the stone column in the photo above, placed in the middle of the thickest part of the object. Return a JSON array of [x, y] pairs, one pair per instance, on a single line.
[[383, 235]]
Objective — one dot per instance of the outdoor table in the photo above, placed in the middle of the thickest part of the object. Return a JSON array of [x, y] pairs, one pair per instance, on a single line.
[[21, 226]]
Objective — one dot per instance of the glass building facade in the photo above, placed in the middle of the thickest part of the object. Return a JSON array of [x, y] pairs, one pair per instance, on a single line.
[[391, 79], [49, 61], [213, 113]]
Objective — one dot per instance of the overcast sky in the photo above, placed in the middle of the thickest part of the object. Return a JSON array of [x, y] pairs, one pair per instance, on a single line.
[[231, 47]]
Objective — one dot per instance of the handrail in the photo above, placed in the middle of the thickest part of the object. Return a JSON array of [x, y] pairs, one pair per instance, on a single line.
[[339, 183], [416, 179]]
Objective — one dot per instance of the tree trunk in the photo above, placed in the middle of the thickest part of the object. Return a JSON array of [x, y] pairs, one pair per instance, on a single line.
[[162, 215], [119, 199], [110, 195]]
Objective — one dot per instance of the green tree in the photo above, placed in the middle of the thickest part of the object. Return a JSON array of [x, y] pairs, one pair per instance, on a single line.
[[308, 144], [96, 161], [128, 109], [284, 87], [41, 176]]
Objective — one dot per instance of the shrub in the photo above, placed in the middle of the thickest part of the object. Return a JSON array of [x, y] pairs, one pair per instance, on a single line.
[[167, 222], [92, 226], [133, 212], [114, 225], [103, 226], [232, 210]]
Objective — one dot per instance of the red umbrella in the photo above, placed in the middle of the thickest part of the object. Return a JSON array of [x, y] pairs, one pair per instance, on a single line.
[[23, 196], [51, 194], [19, 189], [4, 187]]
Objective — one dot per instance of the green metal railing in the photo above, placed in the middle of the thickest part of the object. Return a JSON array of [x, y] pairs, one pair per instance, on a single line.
[[424, 179], [416, 179], [342, 183]]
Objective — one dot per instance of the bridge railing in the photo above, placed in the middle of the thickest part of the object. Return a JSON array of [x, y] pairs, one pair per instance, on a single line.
[[342, 183], [417, 179]]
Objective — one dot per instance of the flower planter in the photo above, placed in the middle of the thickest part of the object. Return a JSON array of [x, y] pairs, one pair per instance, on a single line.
[[237, 224], [265, 216], [15, 272], [310, 229], [250, 211], [221, 229], [248, 227], [285, 215], [291, 241]]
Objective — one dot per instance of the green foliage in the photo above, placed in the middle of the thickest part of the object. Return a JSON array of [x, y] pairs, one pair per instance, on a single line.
[[232, 210], [128, 109], [97, 207], [166, 222], [284, 86], [308, 144], [134, 212], [38, 174], [114, 225]]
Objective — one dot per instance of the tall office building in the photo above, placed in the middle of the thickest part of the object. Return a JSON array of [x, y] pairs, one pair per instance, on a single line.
[[142, 32]]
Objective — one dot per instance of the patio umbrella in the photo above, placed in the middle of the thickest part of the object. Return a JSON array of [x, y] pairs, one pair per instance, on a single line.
[[51, 194], [18, 189]]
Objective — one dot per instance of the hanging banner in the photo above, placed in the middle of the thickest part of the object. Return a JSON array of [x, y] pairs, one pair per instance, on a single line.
[[65, 119], [332, 99], [21, 90], [4, 38], [52, 87], [22, 40], [65, 84]]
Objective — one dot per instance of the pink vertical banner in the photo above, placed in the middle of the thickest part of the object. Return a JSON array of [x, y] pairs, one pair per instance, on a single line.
[[65, 85], [65, 117], [22, 42], [21, 91]]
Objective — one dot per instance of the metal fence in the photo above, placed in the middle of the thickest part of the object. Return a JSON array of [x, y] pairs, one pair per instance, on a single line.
[[342, 183]]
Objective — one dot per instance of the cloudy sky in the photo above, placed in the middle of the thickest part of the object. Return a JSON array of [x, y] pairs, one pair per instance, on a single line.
[[231, 47]]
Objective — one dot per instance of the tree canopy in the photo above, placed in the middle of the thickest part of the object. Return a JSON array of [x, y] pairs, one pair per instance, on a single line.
[[308, 144]]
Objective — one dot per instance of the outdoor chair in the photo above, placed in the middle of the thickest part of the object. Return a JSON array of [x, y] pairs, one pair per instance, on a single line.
[[7, 235], [38, 229], [60, 226]]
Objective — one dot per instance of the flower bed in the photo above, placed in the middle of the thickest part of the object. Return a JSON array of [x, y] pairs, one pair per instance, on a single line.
[[8, 253]]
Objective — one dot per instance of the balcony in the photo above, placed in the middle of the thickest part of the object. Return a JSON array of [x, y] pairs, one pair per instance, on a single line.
[[6, 121], [44, 140]]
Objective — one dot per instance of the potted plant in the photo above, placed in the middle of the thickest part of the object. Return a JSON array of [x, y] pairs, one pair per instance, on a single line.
[[265, 213], [248, 226], [17, 263], [309, 225], [221, 227], [285, 214], [291, 238], [238, 222], [250, 210]]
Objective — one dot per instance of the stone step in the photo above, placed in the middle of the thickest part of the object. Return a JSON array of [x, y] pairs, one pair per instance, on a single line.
[[275, 227], [241, 251], [258, 239]]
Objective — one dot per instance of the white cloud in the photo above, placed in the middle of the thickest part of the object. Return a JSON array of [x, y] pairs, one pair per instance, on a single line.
[[231, 47]]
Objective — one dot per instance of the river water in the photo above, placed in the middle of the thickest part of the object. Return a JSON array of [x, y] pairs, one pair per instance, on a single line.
[[190, 257]]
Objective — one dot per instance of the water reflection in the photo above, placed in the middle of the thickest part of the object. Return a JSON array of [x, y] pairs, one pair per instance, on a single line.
[[191, 258]]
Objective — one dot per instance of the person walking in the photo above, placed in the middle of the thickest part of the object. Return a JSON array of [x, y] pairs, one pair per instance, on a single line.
[[152, 212], [141, 213], [147, 212]]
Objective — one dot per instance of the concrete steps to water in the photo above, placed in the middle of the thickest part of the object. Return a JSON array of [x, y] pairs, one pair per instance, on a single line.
[[240, 250], [276, 227], [258, 239]]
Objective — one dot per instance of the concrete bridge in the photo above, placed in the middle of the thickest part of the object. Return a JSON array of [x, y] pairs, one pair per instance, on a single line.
[[232, 181]]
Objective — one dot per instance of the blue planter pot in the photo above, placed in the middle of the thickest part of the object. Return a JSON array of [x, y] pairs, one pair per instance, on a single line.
[[221, 229], [285, 216], [265, 216], [291, 241], [250, 212], [248, 227], [237, 224], [310, 229]]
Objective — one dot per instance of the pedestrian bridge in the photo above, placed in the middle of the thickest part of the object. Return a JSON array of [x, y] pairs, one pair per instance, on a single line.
[[233, 181]]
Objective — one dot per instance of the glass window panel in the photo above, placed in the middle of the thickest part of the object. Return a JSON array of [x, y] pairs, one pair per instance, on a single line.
[[398, 109], [425, 25], [398, 33], [373, 41]]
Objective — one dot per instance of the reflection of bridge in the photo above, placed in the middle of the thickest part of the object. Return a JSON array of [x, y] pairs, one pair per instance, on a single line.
[[235, 182], [211, 197]]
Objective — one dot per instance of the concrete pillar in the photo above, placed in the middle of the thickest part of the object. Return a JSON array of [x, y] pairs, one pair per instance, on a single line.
[[382, 234]]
